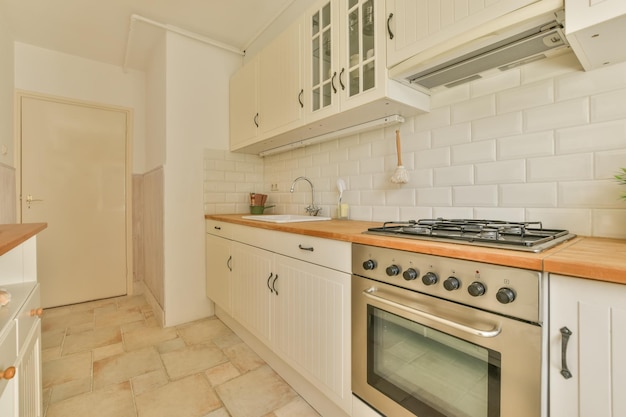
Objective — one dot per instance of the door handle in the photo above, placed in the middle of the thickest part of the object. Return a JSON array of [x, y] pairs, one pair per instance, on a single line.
[[30, 199]]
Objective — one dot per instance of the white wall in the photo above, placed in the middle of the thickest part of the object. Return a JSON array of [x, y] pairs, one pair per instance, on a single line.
[[538, 143], [49, 72], [155, 108], [6, 96], [196, 118]]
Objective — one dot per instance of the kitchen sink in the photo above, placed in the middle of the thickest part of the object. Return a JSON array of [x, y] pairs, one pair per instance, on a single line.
[[285, 218]]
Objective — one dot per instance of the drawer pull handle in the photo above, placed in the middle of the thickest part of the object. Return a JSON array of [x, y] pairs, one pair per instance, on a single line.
[[309, 248], [268, 282], [229, 263], [36, 312], [565, 334], [274, 284], [8, 373], [217, 228]]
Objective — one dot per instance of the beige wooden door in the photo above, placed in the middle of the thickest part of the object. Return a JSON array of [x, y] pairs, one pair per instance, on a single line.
[[73, 176]]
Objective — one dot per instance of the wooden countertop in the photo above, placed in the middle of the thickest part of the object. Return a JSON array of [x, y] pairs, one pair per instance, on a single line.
[[12, 235], [584, 257]]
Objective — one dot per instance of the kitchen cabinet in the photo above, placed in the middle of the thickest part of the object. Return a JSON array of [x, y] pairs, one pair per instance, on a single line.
[[266, 94], [587, 322], [416, 26], [218, 264], [292, 293], [592, 29], [20, 331]]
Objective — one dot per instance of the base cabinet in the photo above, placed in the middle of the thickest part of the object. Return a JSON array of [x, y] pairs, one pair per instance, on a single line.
[[587, 344]]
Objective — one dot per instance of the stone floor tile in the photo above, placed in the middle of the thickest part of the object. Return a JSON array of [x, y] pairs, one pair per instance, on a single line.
[[170, 345], [192, 360], [62, 319], [52, 338], [118, 317], [244, 358], [147, 336], [96, 338], [187, 397], [107, 351], [256, 393], [149, 381], [296, 408], [222, 373], [122, 367], [66, 369], [220, 412], [203, 331], [226, 341], [113, 401], [70, 389]]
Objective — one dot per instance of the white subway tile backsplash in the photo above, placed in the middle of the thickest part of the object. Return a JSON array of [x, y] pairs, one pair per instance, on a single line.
[[432, 197], [528, 195], [501, 172], [497, 126], [595, 136], [608, 164], [563, 114], [581, 84], [561, 168], [540, 142], [456, 175], [590, 194], [608, 106], [475, 196], [451, 135], [473, 152], [526, 96], [474, 109], [525, 146]]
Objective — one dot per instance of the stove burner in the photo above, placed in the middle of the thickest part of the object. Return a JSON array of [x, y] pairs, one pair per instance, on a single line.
[[529, 236]]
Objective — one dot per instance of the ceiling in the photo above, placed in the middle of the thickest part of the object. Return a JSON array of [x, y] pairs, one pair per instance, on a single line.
[[99, 29]]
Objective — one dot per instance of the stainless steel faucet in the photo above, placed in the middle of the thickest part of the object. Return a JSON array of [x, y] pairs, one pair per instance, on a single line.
[[313, 210]]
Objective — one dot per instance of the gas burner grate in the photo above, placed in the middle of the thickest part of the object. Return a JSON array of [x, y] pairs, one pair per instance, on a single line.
[[497, 233]]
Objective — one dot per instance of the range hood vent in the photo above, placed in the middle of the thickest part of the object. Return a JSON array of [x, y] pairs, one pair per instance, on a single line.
[[493, 54]]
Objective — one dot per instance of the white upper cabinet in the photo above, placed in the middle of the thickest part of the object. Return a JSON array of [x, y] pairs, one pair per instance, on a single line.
[[595, 29], [266, 94], [414, 26]]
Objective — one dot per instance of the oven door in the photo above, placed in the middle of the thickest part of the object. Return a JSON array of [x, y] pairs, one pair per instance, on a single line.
[[417, 355]]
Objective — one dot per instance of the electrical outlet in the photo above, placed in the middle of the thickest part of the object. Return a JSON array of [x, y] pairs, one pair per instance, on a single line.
[[274, 187]]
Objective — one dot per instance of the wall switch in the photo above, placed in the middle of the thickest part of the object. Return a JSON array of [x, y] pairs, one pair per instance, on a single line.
[[274, 187]]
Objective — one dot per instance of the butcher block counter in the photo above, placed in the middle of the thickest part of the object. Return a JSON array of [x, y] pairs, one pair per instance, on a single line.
[[585, 257], [12, 235]]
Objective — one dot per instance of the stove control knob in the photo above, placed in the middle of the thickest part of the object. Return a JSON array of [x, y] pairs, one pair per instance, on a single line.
[[505, 295], [476, 289], [393, 270], [430, 278], [410, 274], [369, 264], [452, 283]]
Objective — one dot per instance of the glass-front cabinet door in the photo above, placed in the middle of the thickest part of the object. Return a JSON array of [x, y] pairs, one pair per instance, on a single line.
[[322, 60]]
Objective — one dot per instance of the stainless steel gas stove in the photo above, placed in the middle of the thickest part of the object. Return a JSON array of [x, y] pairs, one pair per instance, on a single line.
[[523, 236]]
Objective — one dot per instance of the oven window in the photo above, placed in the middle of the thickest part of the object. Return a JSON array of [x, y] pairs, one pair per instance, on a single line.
[[430, 373]]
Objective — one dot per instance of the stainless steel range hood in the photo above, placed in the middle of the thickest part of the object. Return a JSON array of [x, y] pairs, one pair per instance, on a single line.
[[497, 51]]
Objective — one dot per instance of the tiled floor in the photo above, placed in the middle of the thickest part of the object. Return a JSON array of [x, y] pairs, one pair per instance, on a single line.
[[109, 358]]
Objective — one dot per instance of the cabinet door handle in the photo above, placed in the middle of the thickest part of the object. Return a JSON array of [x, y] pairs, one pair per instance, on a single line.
[[36, 312], [229, 263], [332, 82], [256, 120], [274, 284], [391, 35], [8, 373], [343, 87], [300, 98], [565, 334], [309, 248], [268, 281]]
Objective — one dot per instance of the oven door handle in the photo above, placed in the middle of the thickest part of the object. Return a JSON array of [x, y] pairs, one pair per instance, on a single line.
[[369, 293]]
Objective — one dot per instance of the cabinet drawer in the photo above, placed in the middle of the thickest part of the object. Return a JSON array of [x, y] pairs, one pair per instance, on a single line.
[[325, 252], [8, 350], [28, 317], [217, 228]]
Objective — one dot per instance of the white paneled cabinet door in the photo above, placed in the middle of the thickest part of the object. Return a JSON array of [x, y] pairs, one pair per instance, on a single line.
[[311, 324], [415, 26], [281, 91], [251, 283], [29, 375], [587, 345], [218, 271], [244, 106]]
